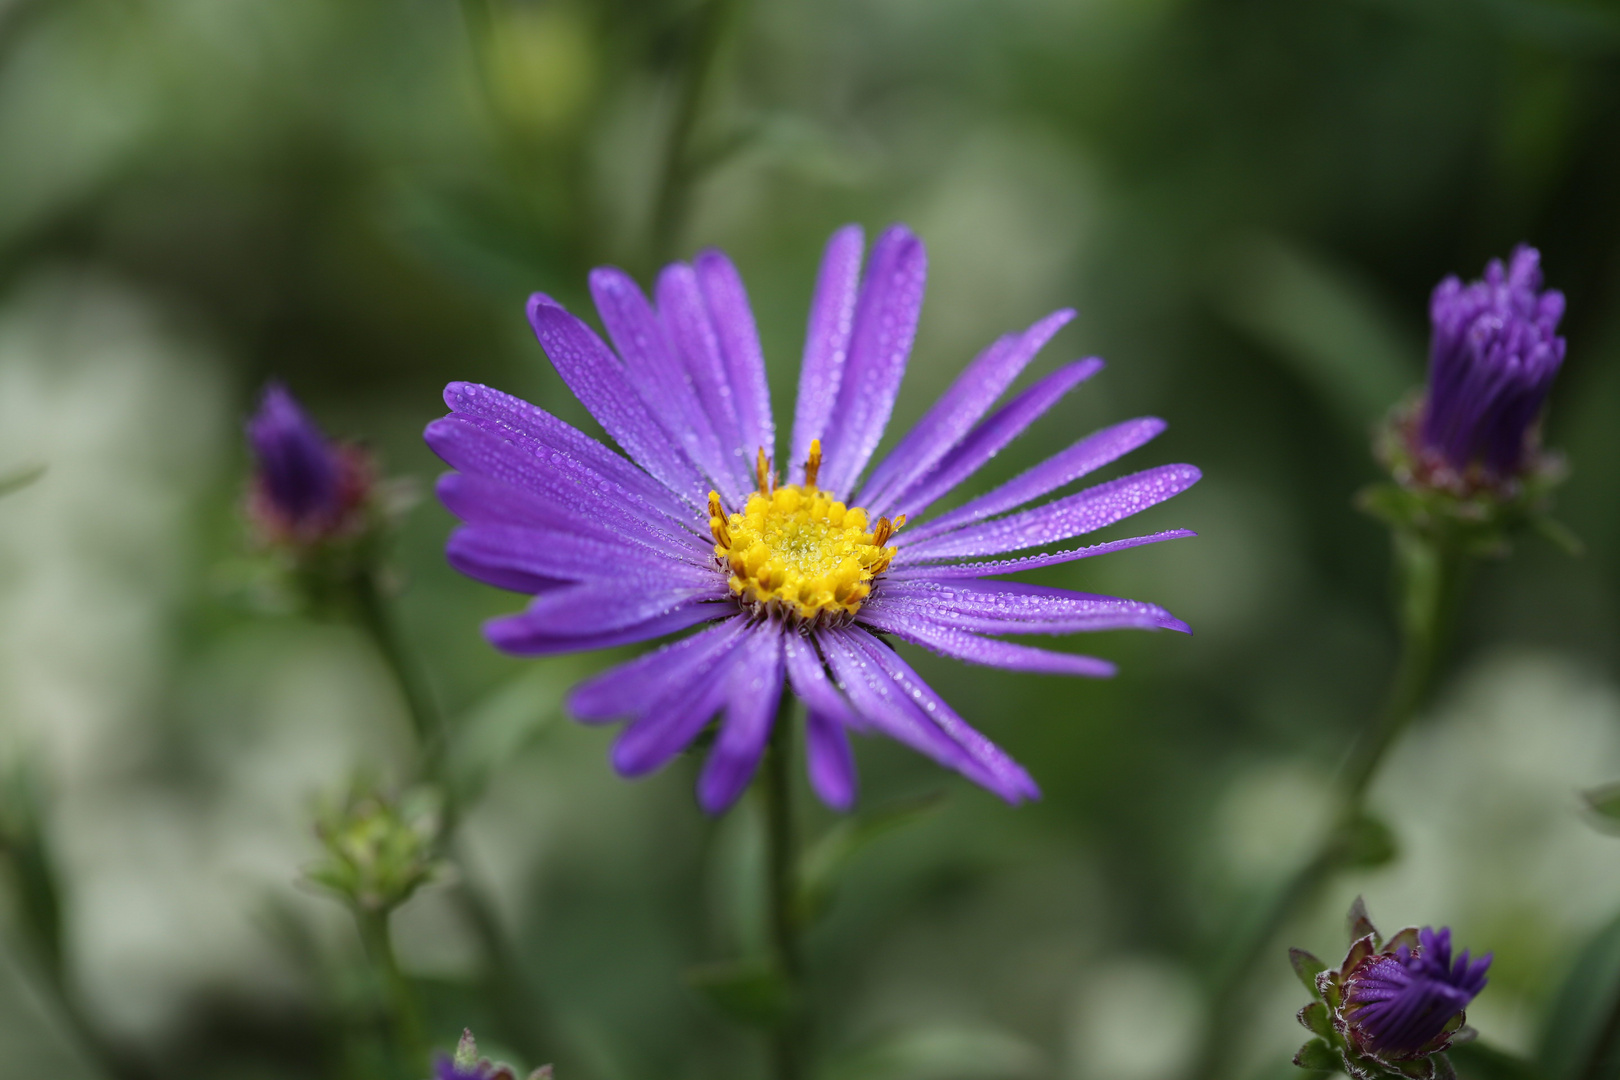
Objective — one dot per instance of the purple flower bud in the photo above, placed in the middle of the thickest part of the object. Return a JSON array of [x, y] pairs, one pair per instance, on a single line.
[[1492, 359], [1398, 1003], [306, 488], [445, 1068]]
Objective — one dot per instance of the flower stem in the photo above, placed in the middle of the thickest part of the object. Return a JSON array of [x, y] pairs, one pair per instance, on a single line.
[[377, 620], [781, 870], [674, 187], [1429, 577], [514, 994], [395, 988]]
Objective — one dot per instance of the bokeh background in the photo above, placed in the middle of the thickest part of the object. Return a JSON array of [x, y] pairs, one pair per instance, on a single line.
[[1247, 200]]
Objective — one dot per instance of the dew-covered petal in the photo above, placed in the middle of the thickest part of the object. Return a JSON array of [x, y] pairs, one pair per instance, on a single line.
[[538, 428], [973, 649], [1085, 456], [826, 342], [989, 438], [957, 410], [1013, 783], [600, 383], [1077, 514], [885, 323], [565, 556], [733, 321], [829, 760], [596, 506], [753, 693], [509, 633], [692, 693], [894, 701], [631, 688], [586, 609], [1014, 607], [685, 315], [920, 571], [655, 371]]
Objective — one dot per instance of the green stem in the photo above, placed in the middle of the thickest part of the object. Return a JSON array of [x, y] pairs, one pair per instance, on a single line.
[[781, 863], [674, 187], [395, 988], [377, 620], [1429, 578], [1599, 1060], [514, 995]]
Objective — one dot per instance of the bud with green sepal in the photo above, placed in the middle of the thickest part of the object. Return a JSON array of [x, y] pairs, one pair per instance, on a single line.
[[379, 847], [1391, 1008]]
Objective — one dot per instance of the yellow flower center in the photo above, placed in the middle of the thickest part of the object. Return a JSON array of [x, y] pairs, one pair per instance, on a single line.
[[797, 552]]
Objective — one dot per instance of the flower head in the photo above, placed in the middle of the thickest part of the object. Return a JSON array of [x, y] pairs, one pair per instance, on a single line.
[[787, 575], [1398, 1003], [1390, 1008], [306, 489], [1493, 356]]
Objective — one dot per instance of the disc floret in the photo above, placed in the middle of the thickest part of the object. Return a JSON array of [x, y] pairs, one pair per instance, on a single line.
[[796, 552]]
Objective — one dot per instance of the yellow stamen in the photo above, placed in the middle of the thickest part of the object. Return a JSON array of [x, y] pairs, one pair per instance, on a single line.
[[762, 471], [812, 468], [717, 521], [798, 552]]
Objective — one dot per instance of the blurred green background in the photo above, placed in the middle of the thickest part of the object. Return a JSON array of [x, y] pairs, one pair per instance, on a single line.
[[1247, 200]]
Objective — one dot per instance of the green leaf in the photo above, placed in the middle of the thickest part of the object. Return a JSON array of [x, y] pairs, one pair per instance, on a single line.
[[1307, 967], [1368, 843], [1604, 804], [1319, 1056], [1314, 1017], [823, 865], [1580, 1011], [750, 992], [20, 477]]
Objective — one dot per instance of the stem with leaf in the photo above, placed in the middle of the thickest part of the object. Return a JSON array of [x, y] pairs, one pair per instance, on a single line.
[[1429, 574]]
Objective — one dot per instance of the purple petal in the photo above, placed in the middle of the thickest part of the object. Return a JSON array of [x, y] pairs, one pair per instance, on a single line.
[[1077, 514], [596, 377], [826, 342], [1086, 456], [958, 571], [1013, 607], [685, 316], [565, 556], [591, 504], [659, 377], [893, 700], [885, 323], [987, 440], [754, 692], [538, 428], [588, 609], [631, 688], [829, 760], [734, 328], [649, 742], [961, 645], [957, 410], [506, 635]]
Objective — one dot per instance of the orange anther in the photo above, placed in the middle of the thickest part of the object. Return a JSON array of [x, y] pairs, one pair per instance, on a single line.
[[812, 467], [762, 471]]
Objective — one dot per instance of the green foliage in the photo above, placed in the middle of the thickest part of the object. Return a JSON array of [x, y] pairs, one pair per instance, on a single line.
[[753, 993]]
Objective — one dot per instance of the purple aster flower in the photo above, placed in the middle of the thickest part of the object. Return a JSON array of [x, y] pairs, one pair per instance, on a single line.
[[1398, 1003], [446, 1068], [789, 579], [1492, 359], [305, 487]]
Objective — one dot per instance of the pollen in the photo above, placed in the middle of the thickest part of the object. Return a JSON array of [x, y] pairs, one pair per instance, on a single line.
[[796, 552]]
